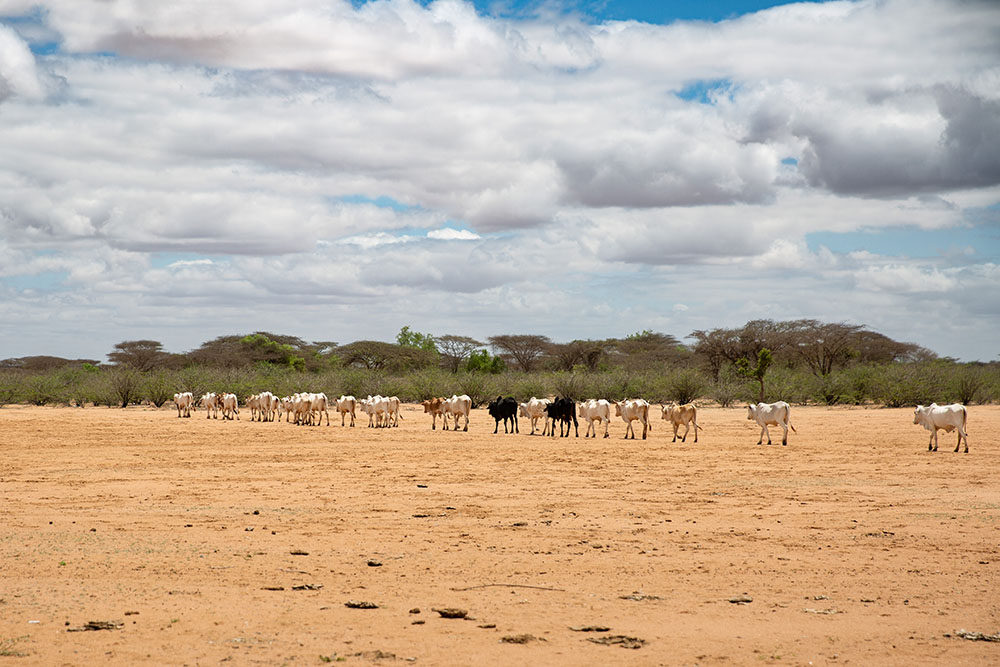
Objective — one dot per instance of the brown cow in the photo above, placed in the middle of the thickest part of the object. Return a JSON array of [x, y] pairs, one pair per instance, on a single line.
[[682, 415], [435, 407]]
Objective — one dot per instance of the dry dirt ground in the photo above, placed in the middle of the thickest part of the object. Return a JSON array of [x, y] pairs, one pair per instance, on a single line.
[[854, 543]]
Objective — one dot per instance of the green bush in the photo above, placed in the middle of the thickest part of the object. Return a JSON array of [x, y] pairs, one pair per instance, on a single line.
[[158, 387], [685, 386], [43, 389], [10, 388], [477, 386]]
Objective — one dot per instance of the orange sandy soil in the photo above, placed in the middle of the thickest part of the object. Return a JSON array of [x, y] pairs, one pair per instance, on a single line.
[[856, 544]]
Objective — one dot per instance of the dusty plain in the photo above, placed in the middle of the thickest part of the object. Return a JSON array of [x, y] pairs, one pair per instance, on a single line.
[[855, 544]]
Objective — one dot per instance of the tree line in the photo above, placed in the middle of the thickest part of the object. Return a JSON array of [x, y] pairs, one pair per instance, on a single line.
[[797, 360]]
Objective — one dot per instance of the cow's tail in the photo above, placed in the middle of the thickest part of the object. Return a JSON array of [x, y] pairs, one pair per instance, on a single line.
[[965, 419], [645, 416], [790, 420]]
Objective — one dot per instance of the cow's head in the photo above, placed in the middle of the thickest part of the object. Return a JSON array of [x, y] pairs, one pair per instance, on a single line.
[[918, 413], [751, 411]]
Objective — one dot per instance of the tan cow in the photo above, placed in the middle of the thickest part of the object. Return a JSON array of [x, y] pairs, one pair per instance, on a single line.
[[435, 407], [346, 405], [681, 415], [632, 410]]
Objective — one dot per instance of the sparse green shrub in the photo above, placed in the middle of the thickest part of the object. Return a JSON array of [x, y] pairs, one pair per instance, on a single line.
[[898, 385], [125, 383], [684, 386], [477, 386], [967, 384], [531, 385], [728, 388], [158, 387], [569, 385], [42, 389], [10, 388], [831, 389]]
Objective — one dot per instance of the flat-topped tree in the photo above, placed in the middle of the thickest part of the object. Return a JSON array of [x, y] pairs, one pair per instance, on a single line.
[[141, 355], [524, 350], [455, 350]]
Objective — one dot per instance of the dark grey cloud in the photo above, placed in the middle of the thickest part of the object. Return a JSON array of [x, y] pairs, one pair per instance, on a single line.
[[879, 157]]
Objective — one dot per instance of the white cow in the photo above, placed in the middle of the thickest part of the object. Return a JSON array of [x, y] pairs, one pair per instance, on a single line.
[[681, 415], [457, 406], [320, 405], [252, 403], [632, 410], [308, 408], [947, 417], [212, 402], [345, 405], [392, 411], [596, 410], [771, 414], [230, 406], [534, 410], [288, 405], [374, 407], [268, 405], [185, 403]]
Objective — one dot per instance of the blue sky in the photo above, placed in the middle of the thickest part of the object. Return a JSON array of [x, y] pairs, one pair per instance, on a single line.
[[343, 170]]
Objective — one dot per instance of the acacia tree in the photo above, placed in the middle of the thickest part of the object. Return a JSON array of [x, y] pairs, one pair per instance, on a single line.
[[645, 348], [525, 350], [824, 346], [141, 355], [578, 352], [456, 349]]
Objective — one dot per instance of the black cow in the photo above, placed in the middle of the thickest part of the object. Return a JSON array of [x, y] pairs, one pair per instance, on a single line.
[[563, 410], [505, 409]]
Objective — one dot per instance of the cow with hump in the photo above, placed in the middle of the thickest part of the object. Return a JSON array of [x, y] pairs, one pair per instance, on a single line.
[[681, 415], [534, 410], [504, 409], [562, 410], [595, 410], [636, 409], [771, 414], [948, 417]]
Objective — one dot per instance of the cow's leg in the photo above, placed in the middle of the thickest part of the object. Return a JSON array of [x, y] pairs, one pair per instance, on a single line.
[[466, 422], [935, 440], [515, 424], [760, 440], [784, 436], [606, 424], [645, 427]]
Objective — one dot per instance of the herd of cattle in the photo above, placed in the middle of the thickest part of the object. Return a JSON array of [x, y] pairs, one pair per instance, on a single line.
[[383, 412]]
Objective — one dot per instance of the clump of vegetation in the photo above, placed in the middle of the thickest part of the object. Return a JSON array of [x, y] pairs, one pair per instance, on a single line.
[[797, 361]]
